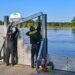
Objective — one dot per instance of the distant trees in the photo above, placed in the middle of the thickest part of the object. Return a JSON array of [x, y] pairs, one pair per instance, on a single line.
[[28, 24], [73, 21], [73, 24], [59, 24], [1, 22]]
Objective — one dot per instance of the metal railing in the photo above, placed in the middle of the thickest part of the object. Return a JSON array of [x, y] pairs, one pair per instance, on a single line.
[[43, 50], [42, 53], [27, 18]]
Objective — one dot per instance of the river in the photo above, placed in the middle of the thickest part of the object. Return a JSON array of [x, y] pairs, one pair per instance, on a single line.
[[61, 42]]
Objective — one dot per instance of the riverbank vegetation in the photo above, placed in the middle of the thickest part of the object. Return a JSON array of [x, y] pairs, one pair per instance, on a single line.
[[1, 22], [60, 25], [49, 24]]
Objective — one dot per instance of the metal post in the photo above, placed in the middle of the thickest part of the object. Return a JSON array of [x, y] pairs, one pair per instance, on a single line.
[[39, 18], [44, 27], [6, 22], [46, 33]]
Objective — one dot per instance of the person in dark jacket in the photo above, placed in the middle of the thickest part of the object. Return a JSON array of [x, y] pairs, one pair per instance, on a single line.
[[35, 40], [12, 34], [10, 46], [15, 36]]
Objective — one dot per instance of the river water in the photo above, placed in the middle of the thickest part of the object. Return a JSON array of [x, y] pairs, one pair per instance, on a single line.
[[61, 47], [61, 42]]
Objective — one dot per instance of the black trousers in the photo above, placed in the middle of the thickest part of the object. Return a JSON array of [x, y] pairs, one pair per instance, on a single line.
[[8, 52], [34, 51], [12, 49], [15, 55]]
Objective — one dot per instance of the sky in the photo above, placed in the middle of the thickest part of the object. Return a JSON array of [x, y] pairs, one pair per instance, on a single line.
[[56, 10]]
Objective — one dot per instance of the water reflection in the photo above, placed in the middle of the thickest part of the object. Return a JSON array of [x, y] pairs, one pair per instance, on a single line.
[[73, 31], [61, 42]]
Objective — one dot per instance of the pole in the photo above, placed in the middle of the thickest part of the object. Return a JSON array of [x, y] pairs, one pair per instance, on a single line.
[[44, 28], [6, 22]]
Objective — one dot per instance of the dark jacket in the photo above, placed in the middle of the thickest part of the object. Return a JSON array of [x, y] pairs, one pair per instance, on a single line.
[[11, 37], [15, 34], [35, 35], [10, 43]]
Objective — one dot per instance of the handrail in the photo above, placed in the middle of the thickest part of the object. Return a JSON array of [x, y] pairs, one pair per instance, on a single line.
[[27, 18], [40, 54], [40, 50]]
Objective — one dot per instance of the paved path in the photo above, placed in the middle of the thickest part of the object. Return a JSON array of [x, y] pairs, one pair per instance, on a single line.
[[26, 70]]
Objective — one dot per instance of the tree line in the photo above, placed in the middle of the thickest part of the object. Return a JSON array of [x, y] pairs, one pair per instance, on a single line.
[[49, 24], [1, 22]]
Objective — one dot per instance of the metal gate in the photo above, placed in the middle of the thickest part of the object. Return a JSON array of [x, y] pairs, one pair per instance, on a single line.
[[24, 46]]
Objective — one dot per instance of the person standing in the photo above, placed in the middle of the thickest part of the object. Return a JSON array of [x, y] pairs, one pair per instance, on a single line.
[[35, 40], [10, 46], [15, 36]]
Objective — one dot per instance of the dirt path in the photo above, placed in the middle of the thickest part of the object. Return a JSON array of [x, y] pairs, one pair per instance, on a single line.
[[16, 70], [27, 70]]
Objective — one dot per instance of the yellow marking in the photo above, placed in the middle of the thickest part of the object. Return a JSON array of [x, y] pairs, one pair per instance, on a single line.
[[33, 32]]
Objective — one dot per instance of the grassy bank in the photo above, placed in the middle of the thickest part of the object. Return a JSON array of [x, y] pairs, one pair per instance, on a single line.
[[60, 25]]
